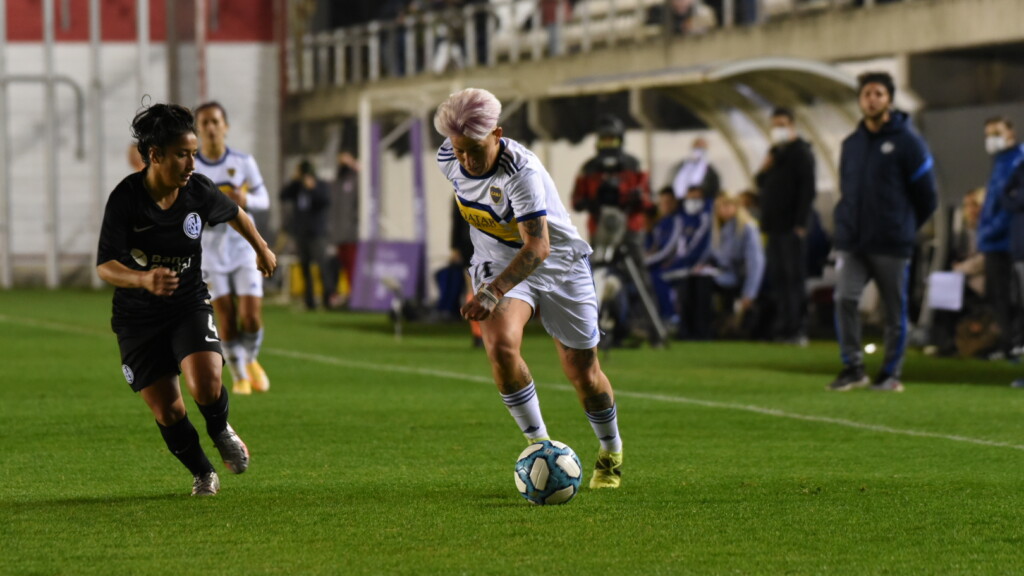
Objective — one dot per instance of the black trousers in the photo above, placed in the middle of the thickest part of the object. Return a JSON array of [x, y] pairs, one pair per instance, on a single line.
[[999, 292], [313, 250], [786, 273]]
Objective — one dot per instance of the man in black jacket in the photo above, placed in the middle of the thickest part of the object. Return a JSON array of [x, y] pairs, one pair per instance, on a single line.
[[887, 191], [309, 197], [787, 189]]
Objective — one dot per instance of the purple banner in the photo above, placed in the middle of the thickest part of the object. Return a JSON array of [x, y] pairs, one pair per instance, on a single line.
[[382, 268]]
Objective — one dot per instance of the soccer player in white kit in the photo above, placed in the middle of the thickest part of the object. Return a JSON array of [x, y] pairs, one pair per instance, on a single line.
[[229, 262], [528, 258]]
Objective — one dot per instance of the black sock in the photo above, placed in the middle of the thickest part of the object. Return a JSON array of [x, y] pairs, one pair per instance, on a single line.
[[216, 414], [183, 441]]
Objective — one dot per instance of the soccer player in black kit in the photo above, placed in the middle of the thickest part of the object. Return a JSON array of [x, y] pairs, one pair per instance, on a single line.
[[149, 248]]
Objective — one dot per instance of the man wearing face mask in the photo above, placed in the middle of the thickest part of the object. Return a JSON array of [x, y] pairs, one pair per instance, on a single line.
[[787, 188], [696, 171], [994, 230], [886, 192]]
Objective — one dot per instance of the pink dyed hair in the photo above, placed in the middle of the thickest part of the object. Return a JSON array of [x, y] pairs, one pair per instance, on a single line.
[[472, 112]]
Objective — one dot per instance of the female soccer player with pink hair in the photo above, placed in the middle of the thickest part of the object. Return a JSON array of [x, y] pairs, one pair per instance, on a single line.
[[528, 258]]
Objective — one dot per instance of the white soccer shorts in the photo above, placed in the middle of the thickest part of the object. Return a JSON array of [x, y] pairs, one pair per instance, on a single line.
[[244, 281], [569, 312]]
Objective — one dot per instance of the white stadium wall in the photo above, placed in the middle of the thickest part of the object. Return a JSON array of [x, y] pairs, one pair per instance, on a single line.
[[242, 76]]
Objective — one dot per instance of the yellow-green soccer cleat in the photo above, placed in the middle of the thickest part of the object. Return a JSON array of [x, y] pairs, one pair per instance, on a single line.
[[607, 470], [242, 386], [258, 377], [535, 440]]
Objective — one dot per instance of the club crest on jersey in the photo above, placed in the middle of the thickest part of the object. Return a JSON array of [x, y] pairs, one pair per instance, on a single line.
[[495, 194], [231, 172], [193, 225]]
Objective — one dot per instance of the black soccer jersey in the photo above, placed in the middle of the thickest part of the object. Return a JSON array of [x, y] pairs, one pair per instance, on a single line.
[[139, 234]]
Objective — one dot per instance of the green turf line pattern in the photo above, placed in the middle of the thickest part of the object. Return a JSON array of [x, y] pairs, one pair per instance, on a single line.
[[448, 375]]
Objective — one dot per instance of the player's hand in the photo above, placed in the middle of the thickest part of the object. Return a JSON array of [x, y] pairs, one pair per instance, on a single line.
[[481, 306], [160, 281], [266, 262]]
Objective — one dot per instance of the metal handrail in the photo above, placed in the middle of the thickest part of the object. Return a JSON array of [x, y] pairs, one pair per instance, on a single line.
[[406, 47]]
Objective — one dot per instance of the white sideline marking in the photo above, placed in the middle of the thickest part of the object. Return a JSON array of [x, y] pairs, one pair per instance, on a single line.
[[72, 329], [646, 396]]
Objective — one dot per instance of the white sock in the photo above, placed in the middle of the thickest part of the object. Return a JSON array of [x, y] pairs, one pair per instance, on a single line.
[[252, 341], [234, 353], [525, 409], [606, 427]]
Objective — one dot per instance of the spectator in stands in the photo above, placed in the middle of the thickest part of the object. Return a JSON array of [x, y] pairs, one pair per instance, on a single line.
[[964, 258], [683, 17], [309, 198], [343, 223], [554, 14], [787, 188], [450, 45], [994, 230], [744, 11], [886, 192], [695, 171], [661, 246], [393, 39], [682, 245], [736, 263], [481, 15]]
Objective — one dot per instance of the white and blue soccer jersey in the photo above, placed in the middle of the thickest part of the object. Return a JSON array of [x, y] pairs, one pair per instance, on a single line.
[[224, 250], [517, 189]]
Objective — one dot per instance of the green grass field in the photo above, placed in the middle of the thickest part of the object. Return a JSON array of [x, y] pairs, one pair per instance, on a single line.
[[371, 456]]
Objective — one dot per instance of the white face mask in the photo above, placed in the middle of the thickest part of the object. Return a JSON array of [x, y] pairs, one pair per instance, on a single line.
[[779, 135], [698, 154], [995, 144], [693, 206]]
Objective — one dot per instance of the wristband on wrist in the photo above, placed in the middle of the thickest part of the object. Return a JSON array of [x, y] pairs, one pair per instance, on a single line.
[[485, 293]]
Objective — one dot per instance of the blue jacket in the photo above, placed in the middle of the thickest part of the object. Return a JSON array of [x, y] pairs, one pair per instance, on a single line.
[[1011, 200], [677, 243], [994, 223], [886, 189]]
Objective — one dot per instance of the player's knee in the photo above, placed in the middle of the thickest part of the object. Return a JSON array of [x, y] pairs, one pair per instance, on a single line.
[[169, 415], [251, 323], [503, 353]]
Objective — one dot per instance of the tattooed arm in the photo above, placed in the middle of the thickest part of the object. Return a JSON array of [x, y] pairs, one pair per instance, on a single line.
[[536, 247]]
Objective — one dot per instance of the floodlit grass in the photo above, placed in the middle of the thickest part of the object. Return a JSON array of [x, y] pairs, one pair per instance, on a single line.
[[371, 456]]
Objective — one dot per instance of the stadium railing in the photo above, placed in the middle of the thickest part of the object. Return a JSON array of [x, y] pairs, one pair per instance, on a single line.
[[488, 34]]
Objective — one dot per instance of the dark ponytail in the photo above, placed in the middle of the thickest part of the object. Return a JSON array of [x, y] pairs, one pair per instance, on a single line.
[[160, 124]]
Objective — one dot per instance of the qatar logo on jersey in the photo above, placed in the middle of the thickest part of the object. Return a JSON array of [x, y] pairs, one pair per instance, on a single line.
[[495, 194], [128, 374], [193, 225]]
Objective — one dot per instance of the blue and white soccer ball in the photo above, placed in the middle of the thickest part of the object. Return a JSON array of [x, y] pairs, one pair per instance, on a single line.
[[548, 472]]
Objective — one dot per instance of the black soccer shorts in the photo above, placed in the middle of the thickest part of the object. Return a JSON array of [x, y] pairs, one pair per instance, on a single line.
[[155, 351]]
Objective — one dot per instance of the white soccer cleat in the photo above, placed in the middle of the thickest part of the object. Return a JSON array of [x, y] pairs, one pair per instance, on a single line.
[[232, 450], [205, 484]]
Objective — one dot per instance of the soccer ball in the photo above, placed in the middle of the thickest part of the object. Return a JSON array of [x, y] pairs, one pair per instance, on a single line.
[[548, 472]]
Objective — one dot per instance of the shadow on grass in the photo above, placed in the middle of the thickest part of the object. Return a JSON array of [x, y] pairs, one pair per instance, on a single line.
[[916, 368], [40, 505]]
